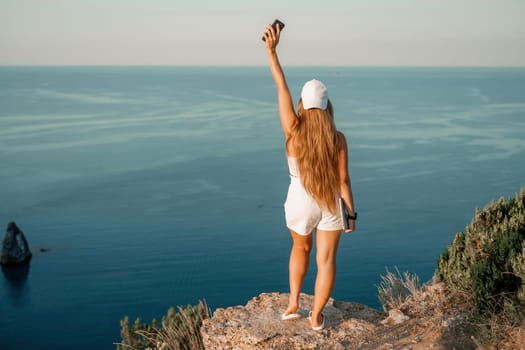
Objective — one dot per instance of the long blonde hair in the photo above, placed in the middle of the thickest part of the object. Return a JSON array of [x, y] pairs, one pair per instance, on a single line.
[[316, 146]]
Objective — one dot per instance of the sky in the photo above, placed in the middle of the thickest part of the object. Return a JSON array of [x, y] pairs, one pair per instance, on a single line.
[[228, 32]]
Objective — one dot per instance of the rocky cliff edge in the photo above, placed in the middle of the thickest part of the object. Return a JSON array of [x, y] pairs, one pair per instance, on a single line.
[[435, 318]]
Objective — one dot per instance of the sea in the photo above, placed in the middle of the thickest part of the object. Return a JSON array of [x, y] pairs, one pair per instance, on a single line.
[[141, 188]]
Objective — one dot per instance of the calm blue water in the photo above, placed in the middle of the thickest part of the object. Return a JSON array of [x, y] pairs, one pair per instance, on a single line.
[[156, 187]]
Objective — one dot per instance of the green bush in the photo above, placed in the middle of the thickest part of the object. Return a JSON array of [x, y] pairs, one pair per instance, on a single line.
[[488, 259], [180, 330]]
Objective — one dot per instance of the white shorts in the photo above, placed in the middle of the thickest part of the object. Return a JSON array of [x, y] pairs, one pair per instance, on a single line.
[[303, 214]]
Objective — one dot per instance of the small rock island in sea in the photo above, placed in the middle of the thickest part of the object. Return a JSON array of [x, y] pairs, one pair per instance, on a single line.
[[15, 249]]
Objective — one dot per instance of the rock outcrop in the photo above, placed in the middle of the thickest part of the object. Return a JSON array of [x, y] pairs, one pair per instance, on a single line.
[[258, 326], [434, 318], [15, 249]]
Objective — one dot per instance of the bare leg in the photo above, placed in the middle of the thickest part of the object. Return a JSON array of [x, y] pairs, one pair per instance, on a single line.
[[326, 246], [298, 266]]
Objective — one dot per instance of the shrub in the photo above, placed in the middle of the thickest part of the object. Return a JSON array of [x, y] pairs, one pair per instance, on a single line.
[[179, 330], [488, 259]]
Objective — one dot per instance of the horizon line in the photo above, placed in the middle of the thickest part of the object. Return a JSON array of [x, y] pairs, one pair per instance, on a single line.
[[254, 66]]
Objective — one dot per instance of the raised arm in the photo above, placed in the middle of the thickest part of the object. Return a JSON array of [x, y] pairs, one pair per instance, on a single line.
[[284, 98]]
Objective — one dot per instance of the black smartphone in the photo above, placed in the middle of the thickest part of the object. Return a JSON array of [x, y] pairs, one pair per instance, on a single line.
[[277, 22], [274, 25]]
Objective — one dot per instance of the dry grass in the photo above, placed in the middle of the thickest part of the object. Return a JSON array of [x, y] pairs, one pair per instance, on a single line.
[[180, 331], [394, 289], [499, 331]]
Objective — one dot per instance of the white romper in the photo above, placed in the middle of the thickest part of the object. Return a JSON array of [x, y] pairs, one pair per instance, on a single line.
[[302, 212]]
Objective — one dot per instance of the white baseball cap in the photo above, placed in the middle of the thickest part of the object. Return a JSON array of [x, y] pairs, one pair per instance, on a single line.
[[314, 95]]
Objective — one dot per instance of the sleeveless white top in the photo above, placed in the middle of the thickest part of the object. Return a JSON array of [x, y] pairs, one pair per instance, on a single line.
[[293, 167]]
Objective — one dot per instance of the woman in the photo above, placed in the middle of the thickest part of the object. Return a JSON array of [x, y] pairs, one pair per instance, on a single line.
[[318, 162]]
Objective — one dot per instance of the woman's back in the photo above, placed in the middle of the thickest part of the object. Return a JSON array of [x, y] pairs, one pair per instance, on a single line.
[[314, 142]]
